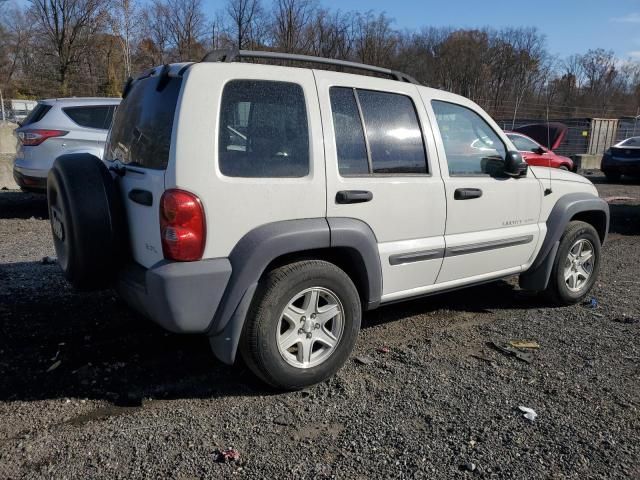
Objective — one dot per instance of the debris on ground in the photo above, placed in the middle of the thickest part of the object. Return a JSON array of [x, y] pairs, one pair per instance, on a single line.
[[626, 319], [48, 260], [363, 360], [591, 302], [618, 199], [510, 351], [55, 365], [529, 413], [227, 455], [483, 358], [383, 349], [469, 466], [524, 344]]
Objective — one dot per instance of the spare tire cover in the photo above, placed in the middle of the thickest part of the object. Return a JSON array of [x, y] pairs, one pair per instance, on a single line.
[[87, 220]]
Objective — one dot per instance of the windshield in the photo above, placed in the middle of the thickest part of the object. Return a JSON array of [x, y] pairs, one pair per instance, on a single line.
[[142, 126]]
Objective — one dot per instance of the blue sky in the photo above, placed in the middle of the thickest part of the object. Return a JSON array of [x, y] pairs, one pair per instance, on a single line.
[[571, 26]]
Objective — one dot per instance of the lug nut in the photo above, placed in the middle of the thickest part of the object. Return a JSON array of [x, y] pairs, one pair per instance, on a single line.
[[309, 335], [303, 319], [317, 325], [313, 315]]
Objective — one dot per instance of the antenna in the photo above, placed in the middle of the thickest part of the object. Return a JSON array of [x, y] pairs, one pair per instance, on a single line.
[[549, 190]]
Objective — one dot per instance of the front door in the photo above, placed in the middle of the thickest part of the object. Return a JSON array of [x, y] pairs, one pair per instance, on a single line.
[[492, 220], [382, 169]]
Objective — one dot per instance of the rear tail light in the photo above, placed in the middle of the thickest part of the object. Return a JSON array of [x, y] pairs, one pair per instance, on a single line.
[[34, 137], [182, 226]]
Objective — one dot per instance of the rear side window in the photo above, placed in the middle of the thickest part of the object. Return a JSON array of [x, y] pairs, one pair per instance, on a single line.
[[391, 141], [263, 130], [143, 123], [350, 141], [470, 144], [36, 114], [94, 116]]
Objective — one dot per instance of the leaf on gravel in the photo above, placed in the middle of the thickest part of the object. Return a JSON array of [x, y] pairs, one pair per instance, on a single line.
[[227, 455], [524, 344], [509, 351], [529, 413], [363, 360], [55, 365]]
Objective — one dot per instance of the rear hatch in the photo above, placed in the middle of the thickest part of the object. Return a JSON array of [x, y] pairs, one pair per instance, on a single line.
[[138, 147]]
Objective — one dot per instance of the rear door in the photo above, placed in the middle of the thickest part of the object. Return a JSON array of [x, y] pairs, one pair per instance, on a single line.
[[138, 147], [379, 144]]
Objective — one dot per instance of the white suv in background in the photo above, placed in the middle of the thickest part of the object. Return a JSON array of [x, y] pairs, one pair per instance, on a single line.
[[267, 207], [58, 126]]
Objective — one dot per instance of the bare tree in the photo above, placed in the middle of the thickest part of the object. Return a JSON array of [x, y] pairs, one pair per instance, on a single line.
[[292, 25], [246, 22], [186, 26], [374, 38], [66, 27], [124, 20]]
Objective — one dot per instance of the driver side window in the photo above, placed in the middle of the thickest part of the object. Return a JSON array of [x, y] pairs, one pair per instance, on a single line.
[[470, 144]]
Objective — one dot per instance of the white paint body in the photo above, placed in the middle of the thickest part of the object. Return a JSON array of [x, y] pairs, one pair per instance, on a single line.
[[408, 213]]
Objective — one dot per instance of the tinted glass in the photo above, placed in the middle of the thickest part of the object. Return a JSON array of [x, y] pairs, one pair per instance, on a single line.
[[263, 130], [471, 145], [36, 114], [394, 135], [523, 144], [631, 142], [142, 127], [98, 116], [350, 143]]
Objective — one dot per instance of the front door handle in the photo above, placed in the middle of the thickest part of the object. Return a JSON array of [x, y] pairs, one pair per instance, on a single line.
[[467, 193], [353, 196]]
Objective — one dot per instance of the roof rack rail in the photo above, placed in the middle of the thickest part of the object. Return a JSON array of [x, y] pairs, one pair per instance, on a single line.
[[233, 55]]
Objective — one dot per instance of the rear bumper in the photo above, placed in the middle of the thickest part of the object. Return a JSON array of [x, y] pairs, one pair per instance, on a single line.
[[180, 296], [30, 182]]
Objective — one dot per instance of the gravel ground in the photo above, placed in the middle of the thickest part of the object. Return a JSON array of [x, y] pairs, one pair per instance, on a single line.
[[89, 389]]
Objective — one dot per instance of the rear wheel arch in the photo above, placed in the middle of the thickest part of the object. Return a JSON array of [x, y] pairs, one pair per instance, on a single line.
[[347, 243]]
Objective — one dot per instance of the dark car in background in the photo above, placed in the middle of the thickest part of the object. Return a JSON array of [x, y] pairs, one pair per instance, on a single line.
[[622, 159]]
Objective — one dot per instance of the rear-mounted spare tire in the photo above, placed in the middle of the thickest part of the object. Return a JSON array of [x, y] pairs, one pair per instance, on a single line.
[[87, 220]]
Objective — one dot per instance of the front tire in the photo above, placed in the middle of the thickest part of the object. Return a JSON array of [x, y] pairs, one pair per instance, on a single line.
[[576, 266], [302, 325]]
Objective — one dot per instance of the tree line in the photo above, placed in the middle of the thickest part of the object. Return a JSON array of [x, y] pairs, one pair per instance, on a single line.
[[90, 47]]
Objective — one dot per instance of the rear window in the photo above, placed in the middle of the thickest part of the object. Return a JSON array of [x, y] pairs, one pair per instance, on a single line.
[[141, 130], [95, 116], [36, 114]]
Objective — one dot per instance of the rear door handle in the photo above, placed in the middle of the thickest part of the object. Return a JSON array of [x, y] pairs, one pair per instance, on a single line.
[[353, 196], [143, 197], [467, 193]]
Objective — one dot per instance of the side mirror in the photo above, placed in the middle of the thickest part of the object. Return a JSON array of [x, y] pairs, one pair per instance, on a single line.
[[514, 165], [539, 151]]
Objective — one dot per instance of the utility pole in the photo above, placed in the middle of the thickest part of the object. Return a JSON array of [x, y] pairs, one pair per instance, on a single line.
[[2, 106]]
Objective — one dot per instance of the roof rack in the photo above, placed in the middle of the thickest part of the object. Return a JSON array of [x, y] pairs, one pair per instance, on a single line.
[[234, 55]]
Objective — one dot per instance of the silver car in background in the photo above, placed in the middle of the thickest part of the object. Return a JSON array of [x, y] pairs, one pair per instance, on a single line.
[[56, 127]]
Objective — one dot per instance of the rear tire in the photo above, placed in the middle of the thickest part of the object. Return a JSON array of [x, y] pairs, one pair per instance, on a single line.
[[576, 266], [298, 311], [87, 220]]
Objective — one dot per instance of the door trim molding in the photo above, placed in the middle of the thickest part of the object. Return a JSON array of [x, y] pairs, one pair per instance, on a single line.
[[490, 245], [419, 256]]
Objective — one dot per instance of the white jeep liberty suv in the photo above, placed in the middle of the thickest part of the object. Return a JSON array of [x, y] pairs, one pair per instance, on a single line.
[[268, 207]]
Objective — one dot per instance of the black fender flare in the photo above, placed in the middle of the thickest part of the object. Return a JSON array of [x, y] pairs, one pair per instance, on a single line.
[[261, 246], [567, 207]]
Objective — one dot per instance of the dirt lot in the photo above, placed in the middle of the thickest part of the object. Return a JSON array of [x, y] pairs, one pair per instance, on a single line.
[[90, 390]]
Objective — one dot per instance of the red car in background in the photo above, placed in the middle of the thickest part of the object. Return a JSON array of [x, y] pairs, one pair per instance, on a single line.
[[534, 153]]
